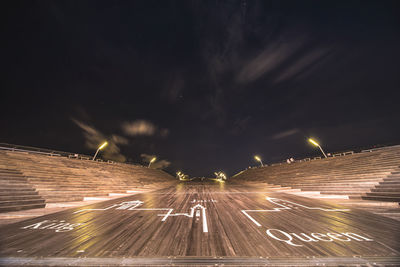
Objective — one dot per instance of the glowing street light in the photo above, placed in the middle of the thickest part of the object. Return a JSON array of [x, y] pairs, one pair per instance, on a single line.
[[100, 148], [316, 144], [220, 176], [151, 161], [259, 160], [181, 176]]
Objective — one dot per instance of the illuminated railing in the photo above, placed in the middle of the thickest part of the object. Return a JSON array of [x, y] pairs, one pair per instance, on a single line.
[[28, 149]]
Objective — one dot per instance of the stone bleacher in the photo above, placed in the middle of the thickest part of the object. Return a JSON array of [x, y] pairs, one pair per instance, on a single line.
[[29, 180], [373, 175], [16, 193]]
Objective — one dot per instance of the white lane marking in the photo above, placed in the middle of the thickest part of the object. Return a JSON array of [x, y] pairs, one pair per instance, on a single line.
[[122, 206], [205, 226], [284, 206], [289, 206], [132, 205], [251, 218], [166, 215], [191, 215]]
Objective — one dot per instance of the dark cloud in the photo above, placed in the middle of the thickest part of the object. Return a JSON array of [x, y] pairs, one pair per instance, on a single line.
[[240, 125], [164, 132], [158, 164], [174, 87], [94, 138]]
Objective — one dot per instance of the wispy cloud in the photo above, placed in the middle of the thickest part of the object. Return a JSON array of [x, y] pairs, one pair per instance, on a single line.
[[303, 64], [119, 139], [173, 90], [158, 164], [268, 60], [285, 134], [94, 138], [240, 125], [143, 128], [164, 132], [139, 127]]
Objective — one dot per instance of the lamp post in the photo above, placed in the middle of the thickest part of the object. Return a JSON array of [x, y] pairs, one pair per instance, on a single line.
[[181, 176], [220, 176], [151, 161], [259, 160], [100, 148], [316, 144]]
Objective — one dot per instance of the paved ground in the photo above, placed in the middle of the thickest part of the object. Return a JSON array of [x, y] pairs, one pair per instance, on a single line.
[[204, 223]]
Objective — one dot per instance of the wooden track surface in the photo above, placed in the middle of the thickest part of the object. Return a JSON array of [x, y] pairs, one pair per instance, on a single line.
[[210, 219]]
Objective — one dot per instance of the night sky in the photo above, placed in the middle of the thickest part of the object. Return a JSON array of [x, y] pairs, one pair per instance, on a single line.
[[204, 85]]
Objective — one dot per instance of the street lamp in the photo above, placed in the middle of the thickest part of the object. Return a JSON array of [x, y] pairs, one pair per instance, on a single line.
[[316, 144], [220, 176], [100, 148], [151, 161], [259, 160], [181, 176]]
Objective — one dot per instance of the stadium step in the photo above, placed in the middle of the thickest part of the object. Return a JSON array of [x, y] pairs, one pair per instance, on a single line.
[[343, 181], [389, 183], [333, 187], [380, 194], [20, 202], [20, 194], [15, 186], [16, 189], [392, 178], [75, 187], [4, 172], [342, 193], [12, 177], [388, 189], [382, 198], [71, 192], [21, 207], [64, 199], [19, 197], [16, 193]]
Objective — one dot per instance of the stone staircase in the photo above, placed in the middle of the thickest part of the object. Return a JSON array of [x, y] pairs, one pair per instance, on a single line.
[[16, 193], [387, 190]]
